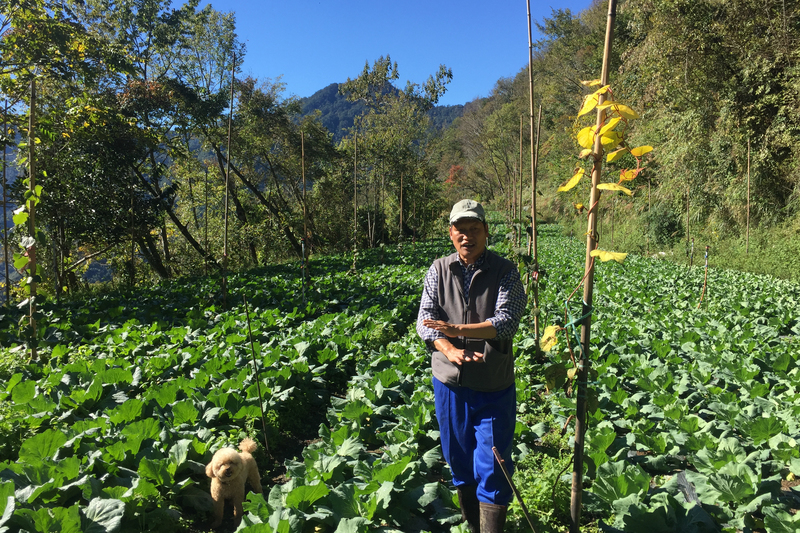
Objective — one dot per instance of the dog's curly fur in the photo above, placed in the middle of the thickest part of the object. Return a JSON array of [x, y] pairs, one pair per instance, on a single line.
[[228, 471]]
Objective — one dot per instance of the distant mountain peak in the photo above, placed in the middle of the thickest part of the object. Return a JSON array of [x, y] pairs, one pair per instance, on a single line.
[[338, 114]]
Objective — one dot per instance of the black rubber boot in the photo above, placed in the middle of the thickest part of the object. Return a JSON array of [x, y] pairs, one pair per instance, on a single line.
[[493, 517], [470, 510]]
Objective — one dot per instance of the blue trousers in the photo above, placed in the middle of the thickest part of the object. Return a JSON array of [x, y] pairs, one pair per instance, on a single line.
[[470, 423]]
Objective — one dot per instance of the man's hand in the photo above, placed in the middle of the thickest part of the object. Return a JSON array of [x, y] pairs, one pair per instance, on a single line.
[[451, 330], [454, 355]]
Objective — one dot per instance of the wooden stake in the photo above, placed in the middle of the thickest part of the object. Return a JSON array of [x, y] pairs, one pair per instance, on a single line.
[[747, 237], [687, 209], [518, 206], [5, 205], [647, 235], [532, 244], [205, 223], [588, 291], [305, 226], [355, 197], [32, 219], [227, 184]]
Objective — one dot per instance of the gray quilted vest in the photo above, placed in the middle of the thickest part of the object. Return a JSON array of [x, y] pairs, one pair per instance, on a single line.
[[496, 371]]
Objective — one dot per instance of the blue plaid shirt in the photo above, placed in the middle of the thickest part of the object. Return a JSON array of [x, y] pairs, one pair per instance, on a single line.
[[508, 310]]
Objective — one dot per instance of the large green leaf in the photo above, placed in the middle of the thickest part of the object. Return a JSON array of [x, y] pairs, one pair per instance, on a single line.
[[42, 447], [103, 516], [302, 497], [777, 520], [23, 392], [7, 501], [617, 480]]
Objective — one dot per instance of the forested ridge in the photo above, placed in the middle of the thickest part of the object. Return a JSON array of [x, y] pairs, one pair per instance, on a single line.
[[338, 114], [131, 127]]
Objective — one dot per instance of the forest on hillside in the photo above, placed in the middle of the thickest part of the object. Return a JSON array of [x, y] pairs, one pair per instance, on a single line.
[[131, 137]]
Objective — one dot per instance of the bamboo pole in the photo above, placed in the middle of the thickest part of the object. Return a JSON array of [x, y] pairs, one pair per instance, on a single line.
[[588, 291], [227, 183], [532, 244], [32, 218], [132, 271], [355, 197], [5, 206], [687, 209], [647, 235], [747, 238], [205, 223], [305, 226], [518, 202]]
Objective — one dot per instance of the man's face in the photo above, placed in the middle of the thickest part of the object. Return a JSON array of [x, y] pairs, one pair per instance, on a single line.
[[469, 238]]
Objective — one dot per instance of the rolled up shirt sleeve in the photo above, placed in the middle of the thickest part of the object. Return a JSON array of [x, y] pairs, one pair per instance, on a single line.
[[429, 308], [510, 306]]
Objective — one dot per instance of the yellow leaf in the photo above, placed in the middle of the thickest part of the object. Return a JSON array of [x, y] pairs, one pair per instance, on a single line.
[[579, 207], [573, 181], [610, 140], [584, 153], [641, 150], [572, 372], [591, 83], [606, 104], [613, 156], [549, 338], [614, 187], [586, 137], [608, 256], [589, 103], [610, 125], [627, 174], [625, 111]]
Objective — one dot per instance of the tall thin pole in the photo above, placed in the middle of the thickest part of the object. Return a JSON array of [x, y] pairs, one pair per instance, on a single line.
[[647, 235], [227, 183], [747, 238], [588, 292], [205, 222], [521, 174], [687, 209], [5, 205], [32, 217], [305, 226], [532, 245], [355, 197], [133, 241]]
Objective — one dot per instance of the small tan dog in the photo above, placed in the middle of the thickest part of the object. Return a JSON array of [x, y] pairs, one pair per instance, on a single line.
[[228, 471]]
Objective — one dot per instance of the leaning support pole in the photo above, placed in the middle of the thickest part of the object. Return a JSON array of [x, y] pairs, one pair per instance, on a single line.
[[501, 462], [532, 245], [588, 289]]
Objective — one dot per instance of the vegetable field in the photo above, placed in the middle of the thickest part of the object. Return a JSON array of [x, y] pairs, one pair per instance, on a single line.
[[693, 428]]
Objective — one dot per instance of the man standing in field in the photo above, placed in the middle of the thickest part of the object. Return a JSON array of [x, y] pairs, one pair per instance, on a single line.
[[471, 306]]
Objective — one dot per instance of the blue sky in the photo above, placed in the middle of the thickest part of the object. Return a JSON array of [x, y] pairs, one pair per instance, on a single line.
[[312, 44]]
